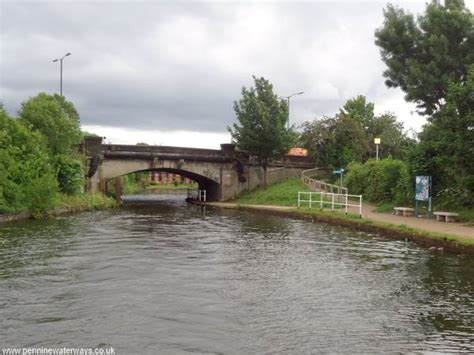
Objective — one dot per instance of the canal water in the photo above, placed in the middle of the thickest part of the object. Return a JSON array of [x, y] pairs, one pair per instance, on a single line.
[[172, 278]]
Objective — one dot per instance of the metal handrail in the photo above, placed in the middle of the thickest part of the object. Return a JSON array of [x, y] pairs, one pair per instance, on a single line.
[[317, 185], [333, 202], [197, 194]]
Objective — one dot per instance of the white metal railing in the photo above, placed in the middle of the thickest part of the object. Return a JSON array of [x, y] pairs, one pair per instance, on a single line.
[[318, 185], [197, 194], [328, 198]]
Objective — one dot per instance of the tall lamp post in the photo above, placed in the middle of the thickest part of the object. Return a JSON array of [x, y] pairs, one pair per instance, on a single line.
[[61, 71], [288, 102], [377, 143]]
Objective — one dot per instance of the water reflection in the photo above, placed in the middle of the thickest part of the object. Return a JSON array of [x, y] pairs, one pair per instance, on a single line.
[[173, 278]]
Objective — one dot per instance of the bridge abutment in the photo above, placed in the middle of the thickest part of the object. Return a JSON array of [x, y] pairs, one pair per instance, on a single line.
[[224, 174]]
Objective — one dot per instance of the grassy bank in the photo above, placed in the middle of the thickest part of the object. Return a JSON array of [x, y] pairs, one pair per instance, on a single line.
[[286, 193], [384, 226], [87, 201], [64, 204]]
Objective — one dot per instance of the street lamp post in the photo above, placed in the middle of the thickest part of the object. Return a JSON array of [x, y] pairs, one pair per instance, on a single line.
[[377, 143], [288, 103], [61, 71]]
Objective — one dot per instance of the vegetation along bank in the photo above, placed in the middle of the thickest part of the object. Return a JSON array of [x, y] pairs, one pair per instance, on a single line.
[[41, 169], [281, 199]]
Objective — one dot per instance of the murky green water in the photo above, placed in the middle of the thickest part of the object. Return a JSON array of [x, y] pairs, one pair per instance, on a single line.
[[173, 278]]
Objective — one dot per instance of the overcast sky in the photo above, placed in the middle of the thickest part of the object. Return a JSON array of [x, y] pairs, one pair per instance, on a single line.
[[168, 72]]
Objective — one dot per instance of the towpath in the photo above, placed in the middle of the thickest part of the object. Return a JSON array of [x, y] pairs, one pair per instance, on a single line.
[[432, 225]]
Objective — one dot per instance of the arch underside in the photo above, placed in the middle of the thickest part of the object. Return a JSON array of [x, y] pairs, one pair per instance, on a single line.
[[212, 187]]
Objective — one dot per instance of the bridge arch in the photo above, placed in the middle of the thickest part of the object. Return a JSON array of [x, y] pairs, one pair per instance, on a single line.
[[222, 173], [212, 187]]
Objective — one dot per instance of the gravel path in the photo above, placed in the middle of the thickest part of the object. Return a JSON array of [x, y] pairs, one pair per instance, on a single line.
[[420, 223]]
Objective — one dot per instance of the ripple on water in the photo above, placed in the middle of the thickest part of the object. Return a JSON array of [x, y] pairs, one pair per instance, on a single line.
[[175, 278]]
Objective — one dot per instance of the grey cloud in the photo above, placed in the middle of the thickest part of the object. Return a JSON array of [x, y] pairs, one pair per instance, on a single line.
[[180, 66]]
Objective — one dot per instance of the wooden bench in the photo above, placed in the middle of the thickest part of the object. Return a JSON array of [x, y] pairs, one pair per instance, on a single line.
[[446, 216], [404, 211]]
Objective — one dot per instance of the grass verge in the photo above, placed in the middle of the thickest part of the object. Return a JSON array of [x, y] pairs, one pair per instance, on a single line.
[[86, 201], [466, 214], [399, 228], [286, 193]]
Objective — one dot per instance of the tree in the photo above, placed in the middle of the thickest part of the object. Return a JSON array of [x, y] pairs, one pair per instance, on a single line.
[[68, 108], [350, 141], [359, 110], [446, 147], [262, 117], [45, 114], [349, 136], [27, 180], [57, 120], [394, 140], [425, 55], [318, 137]]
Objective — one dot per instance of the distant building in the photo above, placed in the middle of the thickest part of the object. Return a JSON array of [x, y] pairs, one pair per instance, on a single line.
[[298, 152], [161, 177]]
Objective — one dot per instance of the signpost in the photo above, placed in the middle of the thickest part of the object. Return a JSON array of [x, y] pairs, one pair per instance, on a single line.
[[423, 187], [339, 172]]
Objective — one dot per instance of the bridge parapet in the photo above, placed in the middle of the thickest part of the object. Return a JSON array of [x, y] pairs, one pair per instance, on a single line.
[[117, 151], [160, 149], [227, 153], [222, 173]]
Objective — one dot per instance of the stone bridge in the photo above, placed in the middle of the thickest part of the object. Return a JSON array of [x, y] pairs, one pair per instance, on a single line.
[[222, 173]]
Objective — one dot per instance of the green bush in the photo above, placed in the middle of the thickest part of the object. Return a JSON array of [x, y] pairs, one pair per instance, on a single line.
[[41, 195], [70, 174], [386, 180], [25, 167]]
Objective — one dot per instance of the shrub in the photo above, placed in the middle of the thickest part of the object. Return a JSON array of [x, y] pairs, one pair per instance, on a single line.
[[41, 195], [386, 180], [25, 167], [70, 175]]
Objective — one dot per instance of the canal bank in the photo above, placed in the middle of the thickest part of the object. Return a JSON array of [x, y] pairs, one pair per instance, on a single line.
[[66, 205], [385, 225], [175, 278]]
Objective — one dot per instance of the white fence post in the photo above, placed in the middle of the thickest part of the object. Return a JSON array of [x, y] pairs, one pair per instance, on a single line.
[[336, 200]]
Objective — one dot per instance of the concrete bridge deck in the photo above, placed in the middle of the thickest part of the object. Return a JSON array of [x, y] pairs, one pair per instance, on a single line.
[[222, 173]]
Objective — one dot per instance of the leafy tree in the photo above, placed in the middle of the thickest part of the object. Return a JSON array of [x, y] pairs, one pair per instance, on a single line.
[[446, 147], [359, 110], [68, 108], [425, 55], [349, 136], [45, 113], [58, 120], [350, 141], [262, 117], [27, 180], [318, 137], [394, 141]]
